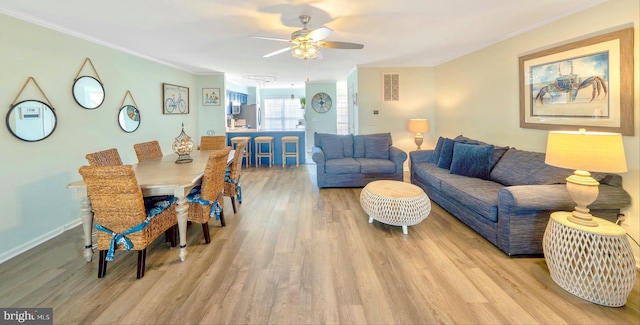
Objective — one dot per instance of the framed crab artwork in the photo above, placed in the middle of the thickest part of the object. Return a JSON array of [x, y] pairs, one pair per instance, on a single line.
[[587, 83]]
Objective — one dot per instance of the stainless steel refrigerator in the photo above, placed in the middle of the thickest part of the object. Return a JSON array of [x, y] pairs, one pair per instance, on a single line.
[[250, 113]]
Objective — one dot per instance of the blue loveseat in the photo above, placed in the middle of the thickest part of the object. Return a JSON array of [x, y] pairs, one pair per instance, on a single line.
[[355, 160], [504, 194]]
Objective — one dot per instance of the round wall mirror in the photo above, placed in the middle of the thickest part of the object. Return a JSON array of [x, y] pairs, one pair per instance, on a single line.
[[31, 120], [129, 118], [88, 92]]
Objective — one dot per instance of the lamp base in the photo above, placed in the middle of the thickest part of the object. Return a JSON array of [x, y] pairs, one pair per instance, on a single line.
[[583, 190], [418, 139]]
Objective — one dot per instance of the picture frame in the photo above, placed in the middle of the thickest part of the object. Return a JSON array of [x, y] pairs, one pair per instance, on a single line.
[[175, 99], [583, 84], [211, 96]]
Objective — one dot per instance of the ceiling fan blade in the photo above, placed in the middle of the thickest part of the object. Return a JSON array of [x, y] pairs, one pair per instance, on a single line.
[[319, 34], [271, 38], [277, 52], [341, 45]]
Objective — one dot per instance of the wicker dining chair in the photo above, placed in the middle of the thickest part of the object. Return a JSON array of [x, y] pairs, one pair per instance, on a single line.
[[124, 219], [205, 200], [109, 157], [212, 142], [148, 150], [232, 187]]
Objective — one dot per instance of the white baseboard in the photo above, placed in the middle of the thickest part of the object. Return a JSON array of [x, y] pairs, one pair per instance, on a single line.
[[37, 241]]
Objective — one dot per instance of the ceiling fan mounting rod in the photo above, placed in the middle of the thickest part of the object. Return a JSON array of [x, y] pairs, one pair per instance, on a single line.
[[305, 19]]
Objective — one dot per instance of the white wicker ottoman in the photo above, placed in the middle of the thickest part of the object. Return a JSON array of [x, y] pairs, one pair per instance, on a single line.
[[395, 203]]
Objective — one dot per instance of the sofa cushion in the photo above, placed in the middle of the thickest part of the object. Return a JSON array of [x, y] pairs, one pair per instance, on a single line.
[[519, 167], [430, 173], [446, 154], [342, 166], [476, 194], [376, 148], [471, 160], [333, 146], [359, 143], [497, 151], [376, 166], [436, 151]]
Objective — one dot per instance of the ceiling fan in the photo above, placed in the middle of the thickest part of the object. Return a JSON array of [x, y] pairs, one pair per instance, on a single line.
[[306, 44]]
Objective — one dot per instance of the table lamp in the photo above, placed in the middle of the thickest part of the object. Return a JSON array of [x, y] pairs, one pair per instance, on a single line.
[[585, 151], [588, 256], [418, 126]]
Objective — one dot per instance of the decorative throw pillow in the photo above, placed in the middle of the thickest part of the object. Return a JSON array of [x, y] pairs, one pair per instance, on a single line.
[[332, 146], [472, 160], [376, 147], [446, 154], [436, 151]]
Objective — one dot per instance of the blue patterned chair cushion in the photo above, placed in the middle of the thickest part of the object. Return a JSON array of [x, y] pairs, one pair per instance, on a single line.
[[154, 205]]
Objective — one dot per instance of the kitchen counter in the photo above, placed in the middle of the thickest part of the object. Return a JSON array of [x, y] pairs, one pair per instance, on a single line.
[[243, 130], [277, 135]]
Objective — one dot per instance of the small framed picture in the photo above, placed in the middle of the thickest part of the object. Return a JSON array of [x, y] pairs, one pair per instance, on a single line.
[[211, 96], [175, 99]]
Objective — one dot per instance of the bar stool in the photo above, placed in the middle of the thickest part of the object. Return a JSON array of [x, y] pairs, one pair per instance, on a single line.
[[247, 148], [289, 154], [259, 141]]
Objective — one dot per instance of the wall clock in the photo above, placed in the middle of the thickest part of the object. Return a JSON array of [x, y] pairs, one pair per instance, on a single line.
[[321, 102]]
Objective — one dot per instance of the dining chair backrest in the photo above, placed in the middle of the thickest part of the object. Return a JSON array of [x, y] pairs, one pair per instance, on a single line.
[[212, 142], [236, 163], [213, 176], [122, 220], [148, 150], [115, 196], [109, 157]]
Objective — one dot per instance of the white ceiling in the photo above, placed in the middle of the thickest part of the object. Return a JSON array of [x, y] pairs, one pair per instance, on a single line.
[[213, 36]]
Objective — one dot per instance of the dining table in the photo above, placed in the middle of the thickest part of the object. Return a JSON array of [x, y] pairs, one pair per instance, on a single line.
[[160, 176]]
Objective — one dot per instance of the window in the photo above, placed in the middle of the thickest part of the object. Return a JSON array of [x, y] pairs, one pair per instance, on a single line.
[[342, 111], [282, 113]]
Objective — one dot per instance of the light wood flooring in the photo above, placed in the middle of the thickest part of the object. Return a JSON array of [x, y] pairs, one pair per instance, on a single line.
[[294, 254]]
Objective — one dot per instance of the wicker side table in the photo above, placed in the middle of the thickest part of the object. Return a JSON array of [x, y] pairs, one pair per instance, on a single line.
[[395, 203], [593, 263]]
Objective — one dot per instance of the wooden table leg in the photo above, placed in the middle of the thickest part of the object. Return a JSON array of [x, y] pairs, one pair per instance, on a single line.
[[86, 215], [182, 210]]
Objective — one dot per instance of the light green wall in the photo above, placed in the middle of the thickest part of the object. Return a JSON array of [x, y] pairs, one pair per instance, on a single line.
[[320, 122], [35, 202], [211, 117], [478, 94]]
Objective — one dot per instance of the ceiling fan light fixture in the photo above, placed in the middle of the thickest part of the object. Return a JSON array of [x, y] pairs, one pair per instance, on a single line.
[[305, 50]]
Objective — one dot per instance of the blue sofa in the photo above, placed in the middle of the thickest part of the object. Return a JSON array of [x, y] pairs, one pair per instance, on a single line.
[[506, 195], [355, 160]]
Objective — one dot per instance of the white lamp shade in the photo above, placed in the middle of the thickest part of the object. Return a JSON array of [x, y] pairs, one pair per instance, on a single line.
[[418, 125], [588, 151]]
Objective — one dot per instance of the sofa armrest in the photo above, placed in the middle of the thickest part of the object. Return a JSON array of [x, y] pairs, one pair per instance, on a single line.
[[397, 156], [556, 198], [318, 157], [420, 155]]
